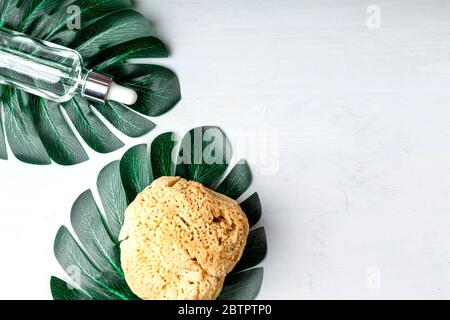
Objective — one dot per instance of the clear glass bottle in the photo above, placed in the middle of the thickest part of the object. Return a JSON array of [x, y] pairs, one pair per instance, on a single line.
[[53, 72]]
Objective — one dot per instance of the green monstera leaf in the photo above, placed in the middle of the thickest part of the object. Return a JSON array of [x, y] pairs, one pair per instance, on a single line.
[[91, 257], [110, 34]]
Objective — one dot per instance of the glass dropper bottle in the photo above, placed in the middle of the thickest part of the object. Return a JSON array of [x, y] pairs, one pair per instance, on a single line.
[[54, 72]]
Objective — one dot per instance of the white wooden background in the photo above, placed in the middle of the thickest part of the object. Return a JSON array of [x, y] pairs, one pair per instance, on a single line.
[[356, 178]]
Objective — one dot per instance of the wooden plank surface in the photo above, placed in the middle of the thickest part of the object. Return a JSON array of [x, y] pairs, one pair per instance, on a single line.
[[348, 141]]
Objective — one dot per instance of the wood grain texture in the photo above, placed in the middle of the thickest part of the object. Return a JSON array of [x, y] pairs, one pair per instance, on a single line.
[[362, 141], [360, 138]]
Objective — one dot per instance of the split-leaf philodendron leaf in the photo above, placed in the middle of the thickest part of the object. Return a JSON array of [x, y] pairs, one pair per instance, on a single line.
[[91, 257], [110, 33]]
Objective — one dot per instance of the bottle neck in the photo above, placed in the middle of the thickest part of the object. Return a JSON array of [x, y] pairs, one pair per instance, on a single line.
[[95, 86]]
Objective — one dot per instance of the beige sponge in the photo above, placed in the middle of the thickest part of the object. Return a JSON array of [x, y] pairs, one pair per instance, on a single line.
[[180, 239]]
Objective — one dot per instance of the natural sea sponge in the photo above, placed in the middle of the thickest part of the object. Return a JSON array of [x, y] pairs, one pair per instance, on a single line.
[[180, 239]]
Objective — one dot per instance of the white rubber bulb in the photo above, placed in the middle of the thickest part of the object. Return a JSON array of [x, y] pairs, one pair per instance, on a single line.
[[122, 94]]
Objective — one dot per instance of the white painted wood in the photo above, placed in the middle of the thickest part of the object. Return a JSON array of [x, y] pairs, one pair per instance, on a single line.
[[359, 206]]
